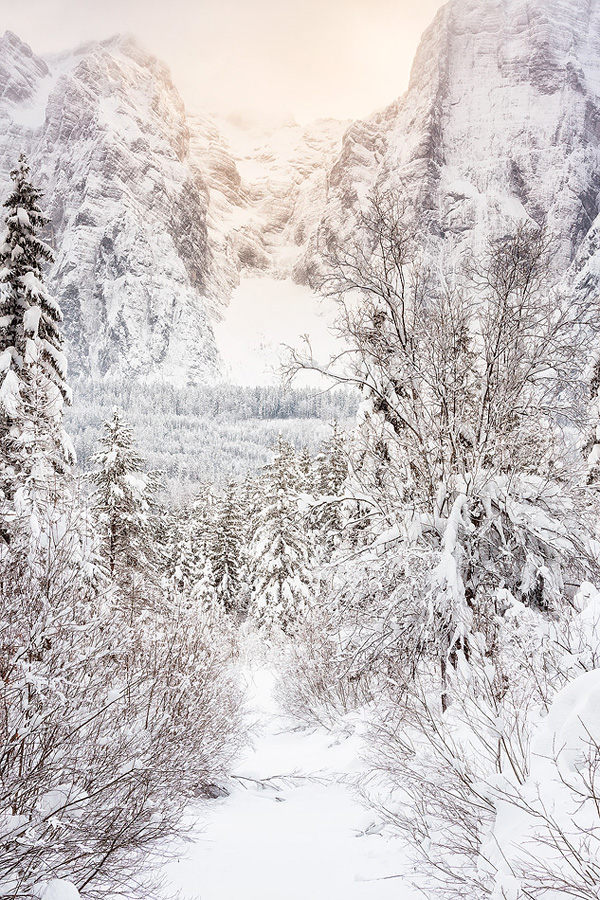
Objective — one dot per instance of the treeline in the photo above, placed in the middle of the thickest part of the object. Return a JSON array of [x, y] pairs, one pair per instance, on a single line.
[[200, 434], [223, 401]]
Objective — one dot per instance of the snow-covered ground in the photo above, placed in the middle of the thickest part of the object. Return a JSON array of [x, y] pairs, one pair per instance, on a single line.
[[291, 827], [264, 315]]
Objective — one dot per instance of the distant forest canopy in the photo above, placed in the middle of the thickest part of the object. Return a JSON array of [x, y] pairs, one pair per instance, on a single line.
[[204, 433]]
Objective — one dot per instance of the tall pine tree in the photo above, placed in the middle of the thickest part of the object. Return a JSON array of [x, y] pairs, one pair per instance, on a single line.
[[122, 501], [34, 448], [332, 466], [226, 555], [279, 549]]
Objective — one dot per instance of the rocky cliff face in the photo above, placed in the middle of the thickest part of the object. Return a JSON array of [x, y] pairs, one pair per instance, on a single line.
[[108, 141], [157, 214], [501, 122], [268, 191]]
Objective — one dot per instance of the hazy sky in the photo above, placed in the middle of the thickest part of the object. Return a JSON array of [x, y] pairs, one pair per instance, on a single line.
[[310, 58]]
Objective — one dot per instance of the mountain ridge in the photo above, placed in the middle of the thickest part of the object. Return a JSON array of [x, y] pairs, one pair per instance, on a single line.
[[158, 212], [500, 123]]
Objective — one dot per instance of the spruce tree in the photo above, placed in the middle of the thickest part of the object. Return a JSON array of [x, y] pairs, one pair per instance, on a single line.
[[226, 551], [201, 530], [173, 536], [332, 466], [306, 473], [279, 549], [34, 448], [205, 595], [592, 446], [122, 501]]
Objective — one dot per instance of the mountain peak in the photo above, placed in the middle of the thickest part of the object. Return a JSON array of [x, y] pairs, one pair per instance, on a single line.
[[10, 39], [20, 69]]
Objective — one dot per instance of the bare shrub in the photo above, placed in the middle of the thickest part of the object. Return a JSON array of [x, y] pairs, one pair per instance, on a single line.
[[108, 728]]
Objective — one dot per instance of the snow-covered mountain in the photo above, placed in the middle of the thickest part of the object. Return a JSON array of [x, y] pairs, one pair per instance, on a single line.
[[157, 213], [501, 121], [106, 134], [152, 220], [268, 188]]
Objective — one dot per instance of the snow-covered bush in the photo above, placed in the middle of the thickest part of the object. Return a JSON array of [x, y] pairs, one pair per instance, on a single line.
[[544, 840], [314, 685], [498, 793], [107, 730], [472, 526]]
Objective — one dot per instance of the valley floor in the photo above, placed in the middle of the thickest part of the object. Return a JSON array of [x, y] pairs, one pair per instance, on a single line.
[[291, 827]]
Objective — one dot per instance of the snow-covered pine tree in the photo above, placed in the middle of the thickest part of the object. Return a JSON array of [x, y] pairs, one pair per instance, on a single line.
[[226, 549], [332, 472], [122, 501], [332, 462], [205, 594], [173, 536], [592, 445], [34, 447], [306, 472], [279, 551], [201, 528]]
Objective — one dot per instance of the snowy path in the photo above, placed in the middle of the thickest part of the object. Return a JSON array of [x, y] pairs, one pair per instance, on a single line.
[[294, 838]]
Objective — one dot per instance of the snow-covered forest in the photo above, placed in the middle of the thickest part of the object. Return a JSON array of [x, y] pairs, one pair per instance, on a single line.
[[281, 642], [202, 433], [422, 582]]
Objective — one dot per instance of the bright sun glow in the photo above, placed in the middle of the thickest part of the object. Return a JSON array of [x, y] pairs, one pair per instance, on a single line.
[[259, 58]]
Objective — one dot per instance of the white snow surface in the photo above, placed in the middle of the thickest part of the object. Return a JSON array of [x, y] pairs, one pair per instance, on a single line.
[[59, 889], [291, 828]]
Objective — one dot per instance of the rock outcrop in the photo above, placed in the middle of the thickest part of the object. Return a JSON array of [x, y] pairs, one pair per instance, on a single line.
[[108, 141], [501, 122], [157, 213]]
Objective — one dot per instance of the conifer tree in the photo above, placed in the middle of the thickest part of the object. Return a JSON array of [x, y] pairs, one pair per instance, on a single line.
[[201, 530], [174, 532], [279, 549], [592, 445], [306, 473], [122, 501], [205, 595], [34, 448], [226, 551], [332, 472]]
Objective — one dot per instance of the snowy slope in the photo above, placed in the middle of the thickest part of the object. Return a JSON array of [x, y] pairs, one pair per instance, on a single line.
[[501, 122], [266, 316], [267, 187]]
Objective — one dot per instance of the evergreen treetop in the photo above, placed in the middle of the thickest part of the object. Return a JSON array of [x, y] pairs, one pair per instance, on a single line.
[[35, 450], [29, 316], [122, 500]]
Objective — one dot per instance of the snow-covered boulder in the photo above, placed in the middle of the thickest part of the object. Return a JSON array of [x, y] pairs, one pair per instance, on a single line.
[[58, 889], [547, 830]]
